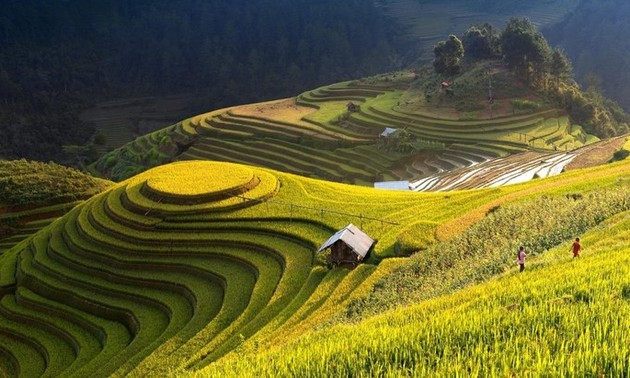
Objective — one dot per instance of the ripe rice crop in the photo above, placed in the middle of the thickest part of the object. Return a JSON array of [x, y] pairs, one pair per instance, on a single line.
[[561, 318], [198, 281]]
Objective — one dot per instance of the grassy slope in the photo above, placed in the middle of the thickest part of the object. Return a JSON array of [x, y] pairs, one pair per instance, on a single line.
[[315, 136], [32, 183], [560, 317], [33, 194], [118, 120], [297, 218]]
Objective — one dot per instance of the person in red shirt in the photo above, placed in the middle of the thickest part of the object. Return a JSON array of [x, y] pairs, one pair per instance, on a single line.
[[576, 248]]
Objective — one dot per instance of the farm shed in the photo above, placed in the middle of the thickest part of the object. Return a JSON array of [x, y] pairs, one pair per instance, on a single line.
[[352, 107], [392, 185], [387, 132], [348, 246]]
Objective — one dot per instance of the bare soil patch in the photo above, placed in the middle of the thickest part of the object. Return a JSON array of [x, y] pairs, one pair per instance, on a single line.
[[284, 110], [598, 154]]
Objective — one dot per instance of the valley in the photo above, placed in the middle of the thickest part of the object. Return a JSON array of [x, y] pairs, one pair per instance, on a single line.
[[422, 221]]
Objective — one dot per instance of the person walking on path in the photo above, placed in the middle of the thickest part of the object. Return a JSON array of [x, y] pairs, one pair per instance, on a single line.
[[576, 248], [521, 258]]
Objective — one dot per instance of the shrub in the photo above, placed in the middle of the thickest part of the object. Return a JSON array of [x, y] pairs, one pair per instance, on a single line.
[[100, 138], [525, 104], [620, 155], [27, 182]]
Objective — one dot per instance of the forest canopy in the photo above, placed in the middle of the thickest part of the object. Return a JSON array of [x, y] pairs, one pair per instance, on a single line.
[[524, 50], [59, 56]]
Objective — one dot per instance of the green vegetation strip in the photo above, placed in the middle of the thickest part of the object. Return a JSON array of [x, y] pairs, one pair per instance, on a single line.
[[209, 259], [225, 178], [25, 182], [487, 329], [183, 237], [324, 310], [310, 285], [267, 153], [66, 345], [113, 338], [236, 154], [41, 210], [210, 262], [538, 224], [29, 357], [266, 188], [307, 128], [144, 312], [91, 257], [8, 363]]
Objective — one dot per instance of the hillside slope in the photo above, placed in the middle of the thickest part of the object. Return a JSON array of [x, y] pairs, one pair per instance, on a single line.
[[561, 317], [427, 22], [189, 262], [598, 54], [33, 194], [334, 132], [61, 57]]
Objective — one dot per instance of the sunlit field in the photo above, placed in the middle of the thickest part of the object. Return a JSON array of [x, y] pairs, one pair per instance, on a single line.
[[210, 268]]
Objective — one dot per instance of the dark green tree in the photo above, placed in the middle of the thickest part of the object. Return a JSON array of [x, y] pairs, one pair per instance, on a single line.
[[448, 56], [524, 48], [560, 66], [401, 141], [481, 42], [592, 82]]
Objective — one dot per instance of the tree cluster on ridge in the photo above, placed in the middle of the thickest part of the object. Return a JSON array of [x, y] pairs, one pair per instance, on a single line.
[[526, 52]]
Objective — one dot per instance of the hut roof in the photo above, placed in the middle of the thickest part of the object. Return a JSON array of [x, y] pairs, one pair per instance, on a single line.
[[392, 185], [388, 131], [356, 239]]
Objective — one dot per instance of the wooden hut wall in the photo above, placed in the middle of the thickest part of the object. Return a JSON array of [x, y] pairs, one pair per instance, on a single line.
[[340, 251]]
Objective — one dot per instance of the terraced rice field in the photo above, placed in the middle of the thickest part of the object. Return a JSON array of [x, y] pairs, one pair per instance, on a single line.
[[124, 274], [315, 135], [471, 142], [561, 317], [28, 222], [513, 169], [170, 271], [119, 120], [159, 273], [34, 194]]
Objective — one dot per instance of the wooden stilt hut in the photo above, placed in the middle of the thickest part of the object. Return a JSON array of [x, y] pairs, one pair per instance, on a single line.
[[348, 247]]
